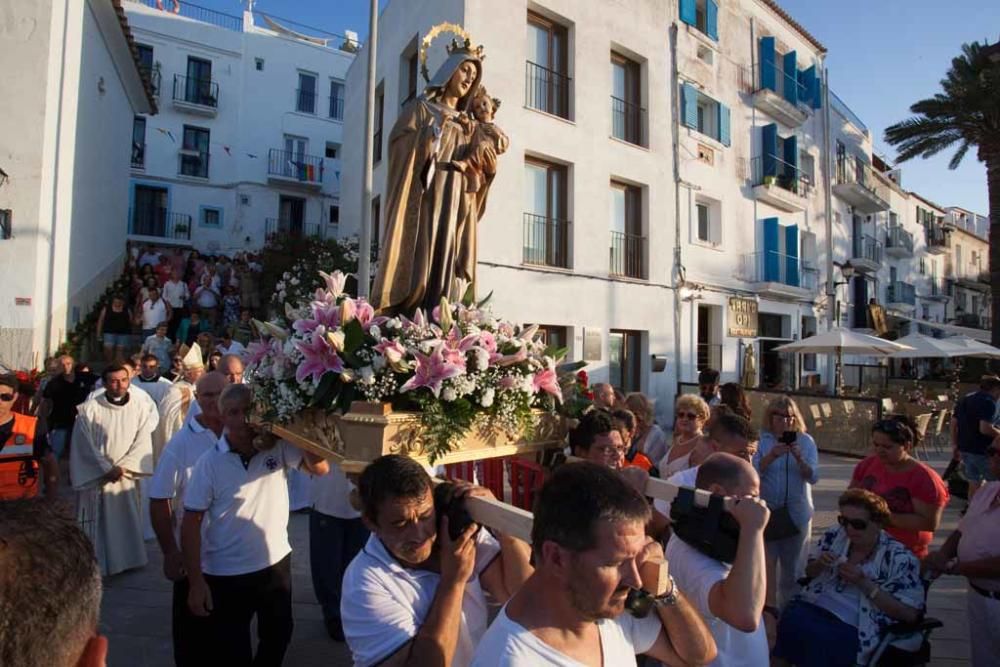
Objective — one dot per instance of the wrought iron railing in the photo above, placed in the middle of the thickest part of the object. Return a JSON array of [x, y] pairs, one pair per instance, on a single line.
[[203, 92], [289, 164], [776, 172], [274, 227], [900, 292], [305, 100], [198, 13], [936, 236], [193, 163], [336, 107], [851, 170], [897, 237], [546, 241], [138, 155], [628, 121], [628, 252], [546, 89], [777, 267], [160, 223], [867, 247]]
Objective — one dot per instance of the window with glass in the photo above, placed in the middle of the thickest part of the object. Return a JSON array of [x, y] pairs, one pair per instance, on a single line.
[[211, 217], [627, 115], [379, 111], [555, 337], [547, 82], [627, 240], [198, 88], [546, 227], [624, 360], [138, 142], [337, 100], [194, 154], [305, 99]]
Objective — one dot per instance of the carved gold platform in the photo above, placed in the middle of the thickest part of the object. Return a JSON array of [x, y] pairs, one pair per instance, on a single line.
[[371, 430]]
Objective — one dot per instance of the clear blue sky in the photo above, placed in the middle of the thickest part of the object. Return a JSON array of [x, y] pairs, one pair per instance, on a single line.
[[883, 55]]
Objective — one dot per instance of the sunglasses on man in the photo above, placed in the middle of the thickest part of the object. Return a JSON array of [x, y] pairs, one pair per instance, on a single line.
[[6, 397], [856, 524]]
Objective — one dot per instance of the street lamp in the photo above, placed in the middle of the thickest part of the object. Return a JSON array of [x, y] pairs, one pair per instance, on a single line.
[[846, 270]]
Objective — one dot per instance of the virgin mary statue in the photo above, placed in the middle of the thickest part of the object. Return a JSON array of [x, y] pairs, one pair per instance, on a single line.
[[430, 218]]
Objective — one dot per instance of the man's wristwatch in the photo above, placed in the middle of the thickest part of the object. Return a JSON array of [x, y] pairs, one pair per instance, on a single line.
[[668, 599]]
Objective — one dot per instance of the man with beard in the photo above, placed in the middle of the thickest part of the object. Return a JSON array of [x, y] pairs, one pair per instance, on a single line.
[[590, 551], [414, 595], [708, 386]]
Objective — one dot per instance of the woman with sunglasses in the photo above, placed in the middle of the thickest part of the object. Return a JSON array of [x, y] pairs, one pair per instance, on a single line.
[[691, 413], [861, 580], [788, 462], [915, 493]]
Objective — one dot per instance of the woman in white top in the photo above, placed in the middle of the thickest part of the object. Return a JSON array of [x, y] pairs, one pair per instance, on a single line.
[[649, 437], [691, 413]]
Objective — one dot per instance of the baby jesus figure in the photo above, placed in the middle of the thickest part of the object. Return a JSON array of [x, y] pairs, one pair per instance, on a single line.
[[488, 141]]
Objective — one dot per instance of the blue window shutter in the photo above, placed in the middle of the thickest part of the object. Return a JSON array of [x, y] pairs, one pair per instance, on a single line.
[[807, 82], [817, 91], [688, 12], [792, 255], [712, 19], [772, 257], [791, 158], [724, 124], [689, 100], [791, 80], [768, 72], [769, 150]]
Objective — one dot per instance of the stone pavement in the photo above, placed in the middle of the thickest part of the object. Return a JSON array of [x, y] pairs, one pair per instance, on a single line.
[[135, 613]]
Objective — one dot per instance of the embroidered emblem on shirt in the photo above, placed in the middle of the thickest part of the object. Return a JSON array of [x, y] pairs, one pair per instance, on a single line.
[[19, 439], [271, 463]]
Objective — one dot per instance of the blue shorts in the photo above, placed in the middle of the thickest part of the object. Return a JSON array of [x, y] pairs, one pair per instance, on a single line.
[[976, 467], [117, 340], [810, 636]]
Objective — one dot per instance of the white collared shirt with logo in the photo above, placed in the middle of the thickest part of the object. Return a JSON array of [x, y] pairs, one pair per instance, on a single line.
[[247, 508], [383, 604], [177, 461]]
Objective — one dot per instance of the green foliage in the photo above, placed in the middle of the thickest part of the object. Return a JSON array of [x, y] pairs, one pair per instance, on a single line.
[[301, 258], [445, 424]]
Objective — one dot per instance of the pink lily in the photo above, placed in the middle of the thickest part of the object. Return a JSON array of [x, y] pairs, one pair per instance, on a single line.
[[335, 281], [318, 357], [366, 315], [547, 381], [431, 372], [394, 354], [257, 351], [326, 314], [511, 359]]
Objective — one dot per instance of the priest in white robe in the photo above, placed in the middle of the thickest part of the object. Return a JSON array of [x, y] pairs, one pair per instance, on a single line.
[[112, 449], [178, 403]]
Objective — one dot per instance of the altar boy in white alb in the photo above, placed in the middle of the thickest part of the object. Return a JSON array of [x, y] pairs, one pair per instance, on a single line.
[[112, 449]]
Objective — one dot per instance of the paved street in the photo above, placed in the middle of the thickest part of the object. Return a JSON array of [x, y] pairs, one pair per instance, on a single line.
[[136, 607]]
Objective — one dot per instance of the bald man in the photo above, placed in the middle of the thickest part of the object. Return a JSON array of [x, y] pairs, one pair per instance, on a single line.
[[231, 365], [198, 435], [729, 597]]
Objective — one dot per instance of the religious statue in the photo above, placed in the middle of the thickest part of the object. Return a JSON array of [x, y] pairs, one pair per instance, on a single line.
[[749, 379], [442, 154]]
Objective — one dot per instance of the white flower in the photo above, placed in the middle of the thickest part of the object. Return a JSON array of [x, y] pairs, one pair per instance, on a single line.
[[487, 398], [294, 281], [367, 375], [482, 359], [448, 394], [375, 332]]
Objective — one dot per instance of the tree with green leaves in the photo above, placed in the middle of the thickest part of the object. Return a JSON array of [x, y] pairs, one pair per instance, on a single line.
[[967, 113]]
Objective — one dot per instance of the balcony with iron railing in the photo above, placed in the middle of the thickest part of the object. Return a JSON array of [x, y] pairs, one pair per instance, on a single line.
[[291, 168], [197, 13], [193, 163], [971, 276], [628, 255], [779, 183], [856, 183], [778, 274], [198, 96], [296, 229], [336, 107], [779, 97], [546, 241], [938, 240], [159, 223], [138, 155], [900, 295], [546, 90], [866, 253], [972, 320], [898, 242], [305, 100], [937, 289], [628, 121]]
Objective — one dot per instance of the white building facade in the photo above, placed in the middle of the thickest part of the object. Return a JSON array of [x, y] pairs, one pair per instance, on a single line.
[[248, 139], [70, 89]]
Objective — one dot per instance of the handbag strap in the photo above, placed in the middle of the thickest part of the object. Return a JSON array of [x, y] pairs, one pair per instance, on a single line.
[[786, 481]]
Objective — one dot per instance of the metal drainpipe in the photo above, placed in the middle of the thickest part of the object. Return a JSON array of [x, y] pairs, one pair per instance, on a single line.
[[365, 233], [831, 291], [678, 272]]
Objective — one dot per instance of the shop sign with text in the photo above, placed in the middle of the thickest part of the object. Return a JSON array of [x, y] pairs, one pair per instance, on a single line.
[[742, 317]]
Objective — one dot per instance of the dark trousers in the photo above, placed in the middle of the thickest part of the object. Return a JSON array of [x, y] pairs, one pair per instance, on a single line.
[[333, 544], [236, 599], [188, 630]]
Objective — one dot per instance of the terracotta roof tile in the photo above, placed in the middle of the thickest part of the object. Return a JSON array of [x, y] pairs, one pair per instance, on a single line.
[[795, 25], [147, 84]]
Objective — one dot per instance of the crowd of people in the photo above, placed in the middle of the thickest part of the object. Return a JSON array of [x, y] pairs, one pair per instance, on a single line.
[[403, 575]]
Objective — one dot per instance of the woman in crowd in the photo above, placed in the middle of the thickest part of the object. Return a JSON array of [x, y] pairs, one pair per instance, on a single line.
[[915, 493], [114, 328], [625, 423], [732, 396], [691, 413], [649, 437], [788, 462], [861, 580], [190, 327]]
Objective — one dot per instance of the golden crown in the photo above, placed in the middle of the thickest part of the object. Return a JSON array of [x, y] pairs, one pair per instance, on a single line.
[[463, 45]]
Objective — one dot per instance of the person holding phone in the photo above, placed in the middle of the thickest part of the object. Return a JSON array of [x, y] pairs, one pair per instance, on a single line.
[[415, 594], [788, 463]]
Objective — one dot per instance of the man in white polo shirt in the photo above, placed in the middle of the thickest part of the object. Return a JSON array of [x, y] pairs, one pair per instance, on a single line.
[[414, 595], [244, 569], [198, 435], [730, 597], [590, 551]]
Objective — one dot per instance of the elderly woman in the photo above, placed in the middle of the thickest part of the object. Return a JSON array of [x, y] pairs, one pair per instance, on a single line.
[[915, 493], [648, 437], [788, 463], [691, 413], [862, 580]]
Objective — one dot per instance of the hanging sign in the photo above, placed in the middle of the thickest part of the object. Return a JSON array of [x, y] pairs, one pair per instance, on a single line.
[[742, 317]]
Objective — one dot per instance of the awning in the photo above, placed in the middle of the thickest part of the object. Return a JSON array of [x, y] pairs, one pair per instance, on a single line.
[[978, 334]]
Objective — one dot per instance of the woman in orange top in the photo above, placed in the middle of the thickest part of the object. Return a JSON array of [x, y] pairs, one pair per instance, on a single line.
[[625, 423]]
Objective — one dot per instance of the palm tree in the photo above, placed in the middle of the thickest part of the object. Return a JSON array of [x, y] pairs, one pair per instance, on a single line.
[[967, 112]]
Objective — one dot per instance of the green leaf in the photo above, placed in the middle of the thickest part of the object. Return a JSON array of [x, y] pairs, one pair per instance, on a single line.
[[469, 297], [328, 386], [570, 367], [354, 336], [485, 300]]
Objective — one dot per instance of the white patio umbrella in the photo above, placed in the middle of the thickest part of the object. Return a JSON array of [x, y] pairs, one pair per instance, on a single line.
[[926, 347], [841, 341], [970, 347]]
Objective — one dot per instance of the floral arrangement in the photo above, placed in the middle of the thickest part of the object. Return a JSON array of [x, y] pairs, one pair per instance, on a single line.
[[459, 366], [291, 266]]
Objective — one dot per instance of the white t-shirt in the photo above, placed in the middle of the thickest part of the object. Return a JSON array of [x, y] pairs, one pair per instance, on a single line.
[[247, 507], [509, 644], [331, 495], [177, 461], [383, 604], [687, 478], [175, 293], [235, 347], [695, 574], [153, 313]]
